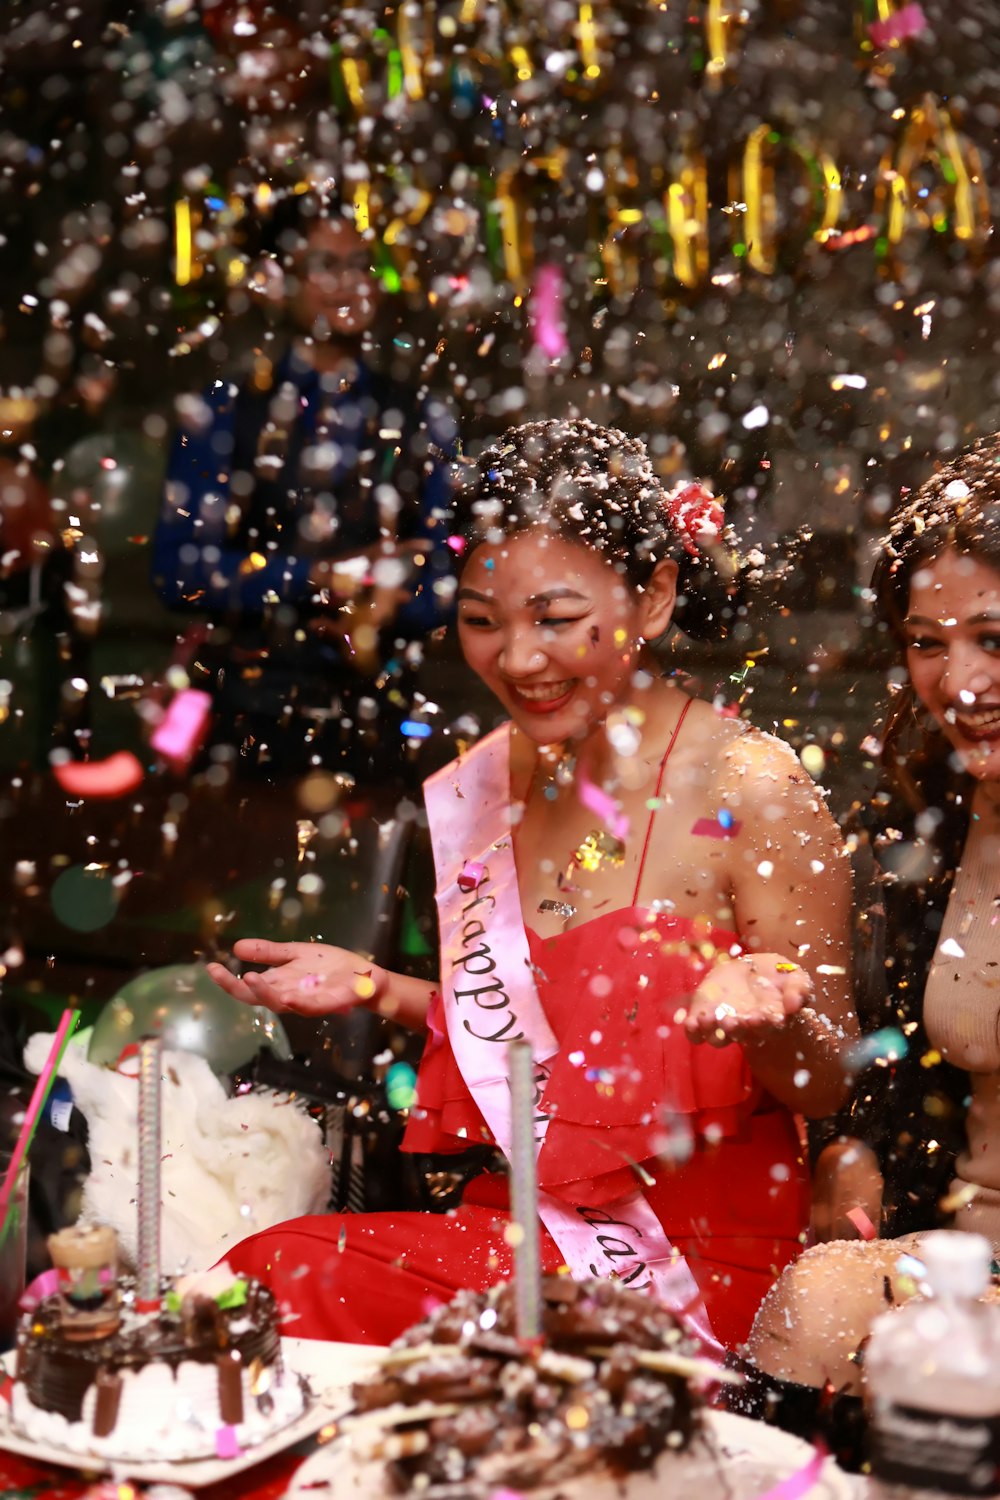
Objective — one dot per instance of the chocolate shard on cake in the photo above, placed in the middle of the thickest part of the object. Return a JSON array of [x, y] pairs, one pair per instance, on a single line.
[[460, 1406]]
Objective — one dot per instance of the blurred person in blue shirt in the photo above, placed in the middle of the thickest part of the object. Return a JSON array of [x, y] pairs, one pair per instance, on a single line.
[[304, 515]]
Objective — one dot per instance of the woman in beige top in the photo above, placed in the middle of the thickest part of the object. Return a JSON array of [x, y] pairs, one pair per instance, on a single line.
[[930, 1106]]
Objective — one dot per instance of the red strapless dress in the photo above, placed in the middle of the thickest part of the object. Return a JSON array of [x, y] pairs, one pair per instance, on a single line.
[[722, 1163]]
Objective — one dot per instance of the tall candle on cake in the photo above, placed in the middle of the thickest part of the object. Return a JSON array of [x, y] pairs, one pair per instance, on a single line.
[[150, 1131], [523, 1229]]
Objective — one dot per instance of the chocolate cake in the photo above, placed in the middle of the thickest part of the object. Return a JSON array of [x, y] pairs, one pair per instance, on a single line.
[[459, 1405], [191, 1379]]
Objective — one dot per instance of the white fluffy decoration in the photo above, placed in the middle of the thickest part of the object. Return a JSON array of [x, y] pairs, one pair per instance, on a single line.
[[230, 1166]]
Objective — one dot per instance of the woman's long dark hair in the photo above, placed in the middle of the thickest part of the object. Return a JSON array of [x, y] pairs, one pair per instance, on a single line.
[[597, 485], [956, 510]]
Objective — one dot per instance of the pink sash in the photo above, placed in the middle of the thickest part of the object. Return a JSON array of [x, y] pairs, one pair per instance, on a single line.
[[490, 999]]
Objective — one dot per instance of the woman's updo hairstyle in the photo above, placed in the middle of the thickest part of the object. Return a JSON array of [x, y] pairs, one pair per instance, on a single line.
[[956, 510], [596, 485]]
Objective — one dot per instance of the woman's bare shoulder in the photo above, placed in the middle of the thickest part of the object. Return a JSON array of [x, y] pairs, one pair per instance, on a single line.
[[753, 753], [755, 769], [734, 747]]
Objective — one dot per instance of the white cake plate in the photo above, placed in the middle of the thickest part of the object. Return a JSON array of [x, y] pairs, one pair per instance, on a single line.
[[734, 1459], [330, 1369]]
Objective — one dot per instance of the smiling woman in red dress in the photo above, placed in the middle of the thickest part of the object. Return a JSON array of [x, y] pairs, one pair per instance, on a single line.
[[652, 892]]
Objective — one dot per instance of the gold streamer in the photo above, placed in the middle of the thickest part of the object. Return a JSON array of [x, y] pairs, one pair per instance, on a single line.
[[356, 76], [833, 197], [518, 252], [686, 205], [409, 50], [760, 211], [398, 241], [411, 218], [721, 25], [752, 184], [362, 214], [183, 240], [513, 204], [620, 256], [929, 136], [587, 37], [522, 62]]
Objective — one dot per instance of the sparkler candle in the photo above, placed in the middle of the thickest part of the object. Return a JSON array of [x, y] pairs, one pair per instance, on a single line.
[[524, 1192], [148, 1288]]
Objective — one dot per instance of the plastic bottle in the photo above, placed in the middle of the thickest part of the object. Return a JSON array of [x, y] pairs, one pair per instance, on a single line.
[[932, 1377]]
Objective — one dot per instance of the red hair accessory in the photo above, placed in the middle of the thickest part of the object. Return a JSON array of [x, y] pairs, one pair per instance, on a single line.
[[696, 515]]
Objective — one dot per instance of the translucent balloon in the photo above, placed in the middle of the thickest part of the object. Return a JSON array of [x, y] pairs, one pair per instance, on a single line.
[[181, 1004]]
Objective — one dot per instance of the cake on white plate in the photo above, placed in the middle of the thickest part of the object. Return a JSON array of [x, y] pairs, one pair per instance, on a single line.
[[609, 1402], [201, 1376]]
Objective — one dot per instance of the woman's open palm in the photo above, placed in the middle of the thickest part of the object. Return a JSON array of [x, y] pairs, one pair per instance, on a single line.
[[738, 1001], [309, 979]]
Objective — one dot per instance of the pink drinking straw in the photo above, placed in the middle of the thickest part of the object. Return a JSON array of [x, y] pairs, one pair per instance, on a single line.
[[33, 1114], [150, 1115]]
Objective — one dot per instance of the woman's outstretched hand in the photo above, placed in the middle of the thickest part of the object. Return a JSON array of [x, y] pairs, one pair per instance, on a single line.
[[310, 979], [744, 1000]]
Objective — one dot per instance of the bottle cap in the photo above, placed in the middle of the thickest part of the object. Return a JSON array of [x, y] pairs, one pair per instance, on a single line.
[[958, 1264]]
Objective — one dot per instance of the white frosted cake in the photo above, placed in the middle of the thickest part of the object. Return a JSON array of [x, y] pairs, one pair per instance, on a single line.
[[202, 1377]]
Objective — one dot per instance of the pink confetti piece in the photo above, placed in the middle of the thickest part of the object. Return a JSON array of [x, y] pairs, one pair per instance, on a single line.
[[862, 1223], [120, 774], [602, 806], [711, 828], [471, 876], [226, 1444], [908, 21], [45, 1285], [183, 726], [547, 321]]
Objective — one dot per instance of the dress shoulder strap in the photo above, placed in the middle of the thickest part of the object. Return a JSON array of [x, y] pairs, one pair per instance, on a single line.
[[659, 783]]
